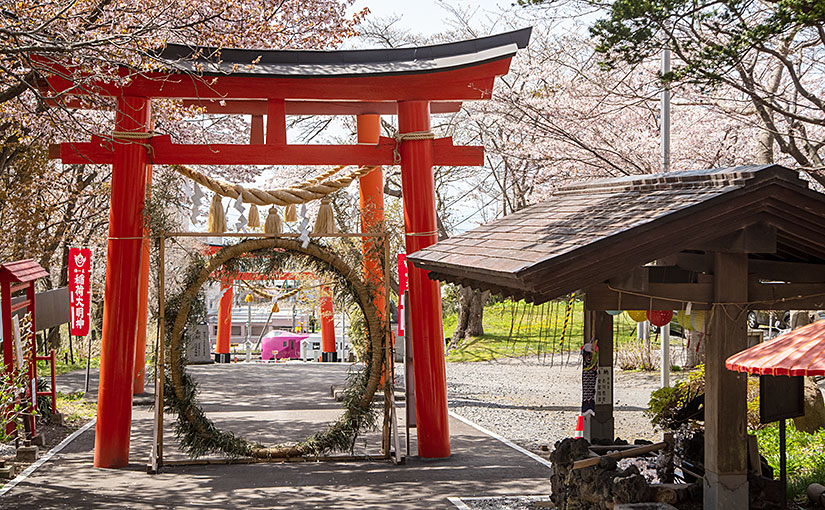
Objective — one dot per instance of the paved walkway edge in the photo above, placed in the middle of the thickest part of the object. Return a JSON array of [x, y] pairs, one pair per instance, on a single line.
[[502, 439], [42, 460], [461, 505], [458, 503]]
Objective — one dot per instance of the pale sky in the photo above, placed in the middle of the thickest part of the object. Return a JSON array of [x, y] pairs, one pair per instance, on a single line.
[[426, 17]]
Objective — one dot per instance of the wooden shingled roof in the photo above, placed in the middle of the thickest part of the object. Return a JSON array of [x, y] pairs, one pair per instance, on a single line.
[[589, 232], [21, 271]]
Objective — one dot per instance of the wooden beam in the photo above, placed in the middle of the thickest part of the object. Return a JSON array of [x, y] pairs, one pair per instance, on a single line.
[[669, 296], [275, 122], [786, 296], [297, 107], [696, 262], [726, 482], [602, 425], [256, 132], [638, 280], [672, 296], [756, 238], [164, 152], [468, 83], [796, 272], [772, 270], [659, 274]]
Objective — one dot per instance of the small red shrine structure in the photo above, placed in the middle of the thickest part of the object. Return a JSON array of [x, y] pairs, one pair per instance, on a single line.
[[409, 82], [19, 277]]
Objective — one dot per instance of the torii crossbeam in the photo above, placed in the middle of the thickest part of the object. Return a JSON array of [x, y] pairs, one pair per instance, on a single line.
[[409, 82]]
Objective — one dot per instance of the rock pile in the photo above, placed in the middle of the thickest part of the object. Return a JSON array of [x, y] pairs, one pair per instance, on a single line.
[[605, 485]]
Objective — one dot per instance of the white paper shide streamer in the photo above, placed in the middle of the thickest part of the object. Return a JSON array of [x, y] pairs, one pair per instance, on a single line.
[[240, 225], [304, 227]]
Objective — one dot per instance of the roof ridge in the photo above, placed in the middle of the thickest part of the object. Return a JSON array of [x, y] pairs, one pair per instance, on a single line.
[[716, 177], [519, 37]]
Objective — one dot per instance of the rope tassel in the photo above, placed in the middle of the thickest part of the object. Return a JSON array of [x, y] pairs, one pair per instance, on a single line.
[[273, 222], [217, 217], [254, 217], [325, 222], [291, 213]]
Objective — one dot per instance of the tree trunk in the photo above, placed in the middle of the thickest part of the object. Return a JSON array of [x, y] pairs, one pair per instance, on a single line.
[[470, 315], [695, 349], [476, 313], [764, 155]]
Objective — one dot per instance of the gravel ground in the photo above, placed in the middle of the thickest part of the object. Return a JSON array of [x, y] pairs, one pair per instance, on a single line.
[[505, 503], [535, 405]]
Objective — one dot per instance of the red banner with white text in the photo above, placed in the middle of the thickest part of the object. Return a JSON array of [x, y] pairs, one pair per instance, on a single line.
[[80, 271]]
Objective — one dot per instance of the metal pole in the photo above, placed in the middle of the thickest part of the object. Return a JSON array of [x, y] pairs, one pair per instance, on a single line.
[[665, 142], [665, 151], [248, 343], [665, 358], [783, 475], [90, 336]]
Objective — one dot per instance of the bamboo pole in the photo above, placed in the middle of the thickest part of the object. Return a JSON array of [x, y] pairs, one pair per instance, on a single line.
[[391, 348], [633, 452], [160, 348], [388, 371]]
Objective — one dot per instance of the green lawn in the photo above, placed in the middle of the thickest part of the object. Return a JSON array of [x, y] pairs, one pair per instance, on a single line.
[[62, 366], [522, 329]]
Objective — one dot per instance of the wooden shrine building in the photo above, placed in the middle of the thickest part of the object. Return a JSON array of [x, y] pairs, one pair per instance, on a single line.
[[726, 240]]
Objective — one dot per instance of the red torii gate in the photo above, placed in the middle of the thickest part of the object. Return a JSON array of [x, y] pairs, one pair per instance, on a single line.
[[225, 308], [409, 82]]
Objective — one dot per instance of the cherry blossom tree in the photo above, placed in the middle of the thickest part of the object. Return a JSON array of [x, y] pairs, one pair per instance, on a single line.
[[45, 206], [559, 117], [765, 58], [104, 38]]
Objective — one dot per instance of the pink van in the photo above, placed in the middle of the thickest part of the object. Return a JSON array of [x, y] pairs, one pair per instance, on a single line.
[[281, 345]]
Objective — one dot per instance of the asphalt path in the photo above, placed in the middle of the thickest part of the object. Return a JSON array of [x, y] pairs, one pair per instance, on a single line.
[[273, 404]]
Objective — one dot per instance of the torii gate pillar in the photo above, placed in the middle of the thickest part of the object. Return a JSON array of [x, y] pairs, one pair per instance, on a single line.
[[224, 322], [143, 305], [328, 350], [371, 193], [425, 295], [120, 307]]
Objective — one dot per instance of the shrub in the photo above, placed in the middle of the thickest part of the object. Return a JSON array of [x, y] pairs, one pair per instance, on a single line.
[[673, 406], [805, 455]]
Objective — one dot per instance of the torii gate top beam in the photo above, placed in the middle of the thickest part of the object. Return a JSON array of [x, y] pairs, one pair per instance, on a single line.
[[444, 72], [324, 82]]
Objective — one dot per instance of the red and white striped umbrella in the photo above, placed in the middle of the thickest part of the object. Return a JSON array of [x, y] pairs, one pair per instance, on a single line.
[[797, 352]]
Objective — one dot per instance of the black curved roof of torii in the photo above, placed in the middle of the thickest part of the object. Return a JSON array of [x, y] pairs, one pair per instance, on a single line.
[[344, 63]]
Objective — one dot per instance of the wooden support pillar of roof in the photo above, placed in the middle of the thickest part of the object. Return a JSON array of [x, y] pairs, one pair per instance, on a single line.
[[599, 325], [726, 483]]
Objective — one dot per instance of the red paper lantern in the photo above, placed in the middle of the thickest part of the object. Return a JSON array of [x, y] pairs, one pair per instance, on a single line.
[[659, 317]]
